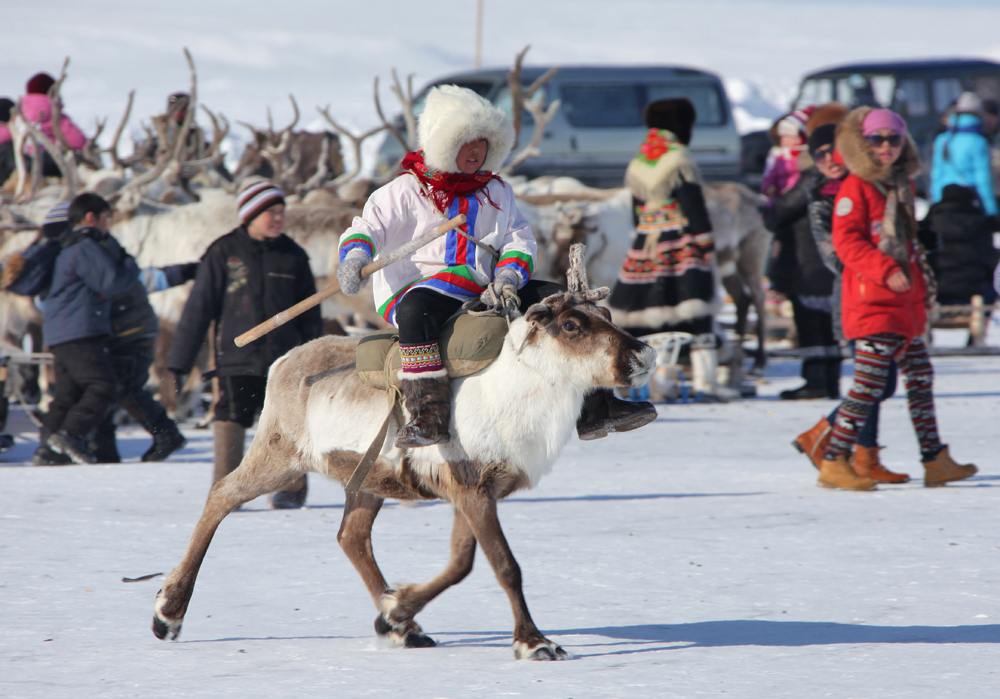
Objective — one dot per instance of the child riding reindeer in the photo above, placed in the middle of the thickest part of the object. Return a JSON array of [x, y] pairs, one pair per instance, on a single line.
[[464, 141]]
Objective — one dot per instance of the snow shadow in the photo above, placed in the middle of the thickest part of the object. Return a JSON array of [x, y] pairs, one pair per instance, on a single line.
[[759, 632], [643, 496]]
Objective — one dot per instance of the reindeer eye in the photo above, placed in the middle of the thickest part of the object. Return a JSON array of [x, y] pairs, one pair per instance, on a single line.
[[570, 326]]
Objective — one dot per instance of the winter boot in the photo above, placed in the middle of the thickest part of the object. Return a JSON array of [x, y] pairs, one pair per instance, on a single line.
[[229, 437], [943, 469], [293, 496], [45, 455], [428, 400], [866, 464], [704, 368], [832, 370], [166, 441], [813, 443], [839, 474], [73, 447], [603, 412], [104, 445], [814, 372]]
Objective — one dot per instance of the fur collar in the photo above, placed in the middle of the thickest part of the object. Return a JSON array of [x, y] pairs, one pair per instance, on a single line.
[[858, 158], [452, 117], [656, 182]]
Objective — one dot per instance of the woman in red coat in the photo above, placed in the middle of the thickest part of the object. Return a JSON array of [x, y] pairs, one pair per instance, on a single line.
[[885, 292]]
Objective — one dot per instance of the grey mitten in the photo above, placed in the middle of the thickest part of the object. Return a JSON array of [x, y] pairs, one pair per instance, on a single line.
[[503, 287], [349, 272]]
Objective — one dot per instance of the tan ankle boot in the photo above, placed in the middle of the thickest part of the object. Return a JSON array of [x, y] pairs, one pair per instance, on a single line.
[[866, 464], [813, 443], [839, 474], [943, 469]]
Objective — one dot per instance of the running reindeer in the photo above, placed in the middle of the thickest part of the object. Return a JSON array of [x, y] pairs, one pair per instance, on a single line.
[[509, 423]]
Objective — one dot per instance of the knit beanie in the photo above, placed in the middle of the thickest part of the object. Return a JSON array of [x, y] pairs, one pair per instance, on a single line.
[[256, 198], [879, 119], [821, 136], [675, 115], [40, 83], [795, 123], [56, 220]]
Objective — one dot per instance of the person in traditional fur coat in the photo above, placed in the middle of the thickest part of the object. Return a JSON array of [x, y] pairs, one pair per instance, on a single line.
[[464, 140], [667, 281], [887, 284]]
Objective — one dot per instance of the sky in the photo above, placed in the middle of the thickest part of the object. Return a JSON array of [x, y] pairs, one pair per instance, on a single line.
[[251, 55]]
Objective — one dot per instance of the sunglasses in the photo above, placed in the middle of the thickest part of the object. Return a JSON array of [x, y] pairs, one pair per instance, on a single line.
[[878, 139], [823, 153]]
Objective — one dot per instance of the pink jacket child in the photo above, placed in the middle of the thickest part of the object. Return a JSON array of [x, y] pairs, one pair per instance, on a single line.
[[782, 169], [37, 108]]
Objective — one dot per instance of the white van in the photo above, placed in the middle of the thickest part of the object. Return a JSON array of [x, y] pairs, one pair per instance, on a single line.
[[598, 127]]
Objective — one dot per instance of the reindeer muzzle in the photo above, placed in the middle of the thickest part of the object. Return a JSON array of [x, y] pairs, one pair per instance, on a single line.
[[641, 365]]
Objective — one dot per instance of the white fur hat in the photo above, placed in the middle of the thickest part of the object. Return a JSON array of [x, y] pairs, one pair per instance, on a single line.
[[452, 117]]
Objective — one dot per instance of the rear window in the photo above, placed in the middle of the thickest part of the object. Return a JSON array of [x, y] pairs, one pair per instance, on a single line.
[[588, 105]]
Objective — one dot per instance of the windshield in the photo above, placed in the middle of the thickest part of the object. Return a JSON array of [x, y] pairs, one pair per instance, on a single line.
[[852, 91], [621, 104]]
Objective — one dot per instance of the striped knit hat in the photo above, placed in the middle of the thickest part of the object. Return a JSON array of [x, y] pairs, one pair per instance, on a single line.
[[259, 196], [56, 220]]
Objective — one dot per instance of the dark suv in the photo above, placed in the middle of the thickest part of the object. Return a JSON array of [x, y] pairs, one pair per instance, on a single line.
[[920, 91]]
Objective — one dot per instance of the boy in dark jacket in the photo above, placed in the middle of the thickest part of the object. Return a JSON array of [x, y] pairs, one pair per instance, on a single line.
[[90, 269], [246, 277]]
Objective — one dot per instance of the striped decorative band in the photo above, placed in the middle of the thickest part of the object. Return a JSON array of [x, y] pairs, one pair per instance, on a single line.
[[418, 359]]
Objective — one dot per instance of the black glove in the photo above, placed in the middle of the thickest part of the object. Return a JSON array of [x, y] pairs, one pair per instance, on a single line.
[[179, 274], [189, 271]]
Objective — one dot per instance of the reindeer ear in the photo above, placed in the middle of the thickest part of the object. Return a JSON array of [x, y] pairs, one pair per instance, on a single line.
[[539, 314]]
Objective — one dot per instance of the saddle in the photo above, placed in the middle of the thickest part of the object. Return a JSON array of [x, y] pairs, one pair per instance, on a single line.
[[468, 344]]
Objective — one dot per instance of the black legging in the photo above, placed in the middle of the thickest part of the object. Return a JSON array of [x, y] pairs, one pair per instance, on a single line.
[[422, 312]]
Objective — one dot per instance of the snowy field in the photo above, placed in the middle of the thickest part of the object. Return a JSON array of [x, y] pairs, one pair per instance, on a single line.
[[693, 558]]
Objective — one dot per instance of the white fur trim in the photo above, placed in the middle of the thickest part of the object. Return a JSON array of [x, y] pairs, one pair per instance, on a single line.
[[452, 117], [657, 316], [413, 376]]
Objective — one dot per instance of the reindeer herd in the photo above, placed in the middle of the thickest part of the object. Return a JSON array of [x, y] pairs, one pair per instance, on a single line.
[[172, 197]]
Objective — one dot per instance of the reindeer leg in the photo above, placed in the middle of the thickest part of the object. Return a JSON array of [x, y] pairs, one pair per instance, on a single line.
[[399, 606], [254, 477], [480, 509]]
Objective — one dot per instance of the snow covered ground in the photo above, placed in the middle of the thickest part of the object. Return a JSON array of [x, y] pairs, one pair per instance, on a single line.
[[693, 558]]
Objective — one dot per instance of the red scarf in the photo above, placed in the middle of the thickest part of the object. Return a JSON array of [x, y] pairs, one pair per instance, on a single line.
[[443, 187]]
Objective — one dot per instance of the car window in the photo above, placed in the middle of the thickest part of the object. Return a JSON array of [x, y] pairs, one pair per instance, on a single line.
[[503, 101], [987, 86], [589, 105], [946, 91], [621, 105], [866, 90], [911, 98], [707, 102], [815, 91]]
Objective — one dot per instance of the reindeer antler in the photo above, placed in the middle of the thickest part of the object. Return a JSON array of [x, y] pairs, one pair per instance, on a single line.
[[576, 276]]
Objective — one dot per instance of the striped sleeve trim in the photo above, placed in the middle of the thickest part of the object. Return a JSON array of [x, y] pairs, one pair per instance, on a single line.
[[357, 240], [520, 262]]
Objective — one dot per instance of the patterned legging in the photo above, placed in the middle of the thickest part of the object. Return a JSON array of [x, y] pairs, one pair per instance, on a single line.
[[872, 356]]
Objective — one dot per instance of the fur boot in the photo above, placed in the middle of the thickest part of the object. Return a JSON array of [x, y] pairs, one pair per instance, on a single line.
[[839, 474], [866, 463], [603, 412], [943, 469], [428, 400], [705, 367], [229, 438], [292, 496], [814, 441]]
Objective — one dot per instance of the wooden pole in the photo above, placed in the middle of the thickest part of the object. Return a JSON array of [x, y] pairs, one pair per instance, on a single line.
[[367, 271], [477, 61]]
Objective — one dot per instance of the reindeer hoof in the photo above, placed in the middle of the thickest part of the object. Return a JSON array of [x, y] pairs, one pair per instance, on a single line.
[[382, 625], [162, 628], [544, 651], [416, 639]]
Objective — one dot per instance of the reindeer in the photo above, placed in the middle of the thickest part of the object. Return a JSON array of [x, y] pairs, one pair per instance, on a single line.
[[510, 421]]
